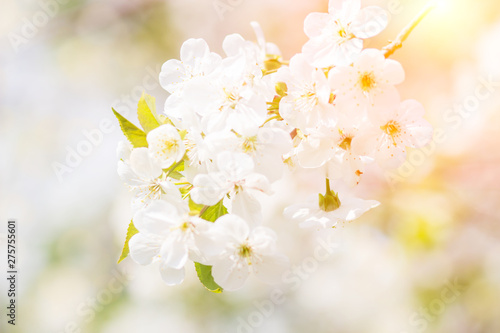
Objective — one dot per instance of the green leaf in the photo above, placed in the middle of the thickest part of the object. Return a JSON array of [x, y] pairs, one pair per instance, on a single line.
[[130, 232], [176, 175], [212, 213], [205, 275], [136, 136], [194, 208], [146, 112], [175, 170]]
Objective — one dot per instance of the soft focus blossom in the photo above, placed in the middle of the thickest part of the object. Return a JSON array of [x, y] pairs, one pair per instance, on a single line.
[[244, 251], [336, 38]]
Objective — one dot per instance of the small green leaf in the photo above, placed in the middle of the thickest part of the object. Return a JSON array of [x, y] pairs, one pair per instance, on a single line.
[[146, 112], [176, 175], [130, 232], [136, 136], [212, 213], [175, 170], [194, 208], [205, 275]]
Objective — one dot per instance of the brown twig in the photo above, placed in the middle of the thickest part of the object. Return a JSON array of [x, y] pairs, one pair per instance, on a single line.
[[403, 35]]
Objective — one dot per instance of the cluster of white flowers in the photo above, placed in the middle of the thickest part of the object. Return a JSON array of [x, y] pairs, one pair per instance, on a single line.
[[236, 123]]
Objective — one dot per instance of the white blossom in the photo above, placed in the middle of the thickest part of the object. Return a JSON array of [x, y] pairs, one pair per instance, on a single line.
[[344, 208], [336, 38], [243, 251], [308, 101], [392, 131], [166, 145], [144, 175], [170, 237], [235, 177], [368, 83]]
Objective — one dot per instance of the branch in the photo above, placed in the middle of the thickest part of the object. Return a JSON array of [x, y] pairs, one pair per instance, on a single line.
[[403, 35]]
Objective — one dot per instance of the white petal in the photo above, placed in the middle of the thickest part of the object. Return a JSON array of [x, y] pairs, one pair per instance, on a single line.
[[320, 220], [209, 247], [257, 182], [233, 44], [263, 240], [143, 165], [229, 275], [172, 195], [172, 75], [176, 107], [127, 175], [233, 226], [123, 150], [194, 48], [342, 77], [348, 9], [384, 97], [300, 211], [174, 252], [390, 156], [300, 68], [172, 276], [393, 72], [209, 189], [355, 207], [366, 142], [315, 22], [234, 166], [337, 5], [315, 151], [143, 248], [248, 207], [370, 22], [156, 218], [370, 60]]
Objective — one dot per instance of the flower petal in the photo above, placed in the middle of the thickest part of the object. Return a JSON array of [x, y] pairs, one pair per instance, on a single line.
[[229, 275], [143, 248], [172, 276], [369, 22]]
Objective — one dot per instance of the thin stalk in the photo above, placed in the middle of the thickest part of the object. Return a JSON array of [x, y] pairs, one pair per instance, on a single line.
[[403, 35]]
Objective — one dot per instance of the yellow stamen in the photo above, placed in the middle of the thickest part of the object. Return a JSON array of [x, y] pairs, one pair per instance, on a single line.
[[392, 129], [367, 81]]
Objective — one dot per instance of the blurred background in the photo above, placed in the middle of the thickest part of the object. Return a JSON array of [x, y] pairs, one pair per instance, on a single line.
[[426, 260]]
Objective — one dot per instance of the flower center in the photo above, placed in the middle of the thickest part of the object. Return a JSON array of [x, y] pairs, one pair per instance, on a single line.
[[307, 100], [367, 81], [232, 97], [341, 31], [392, 129], [249, 145], [152, 191], [245, 251], [169, 145], [346, 143], [184, 226]]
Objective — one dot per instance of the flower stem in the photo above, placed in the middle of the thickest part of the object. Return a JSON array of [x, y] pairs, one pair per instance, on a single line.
[[203, 210], [173, 167], [403, 35]]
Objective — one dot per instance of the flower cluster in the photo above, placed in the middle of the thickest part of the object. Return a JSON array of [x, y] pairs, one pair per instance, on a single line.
[[233, 124]]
